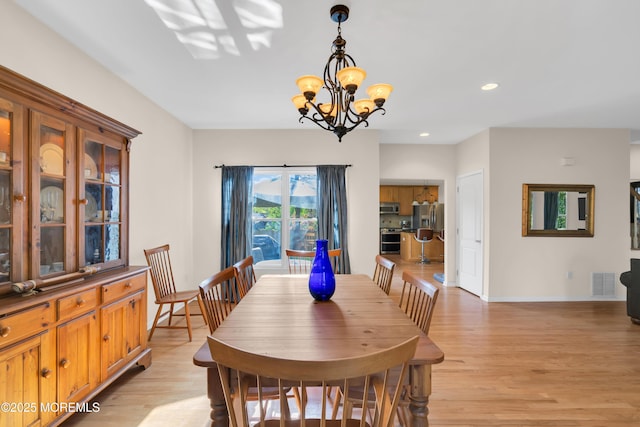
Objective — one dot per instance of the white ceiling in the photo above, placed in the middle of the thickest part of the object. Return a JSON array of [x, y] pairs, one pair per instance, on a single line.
[[559, 63]]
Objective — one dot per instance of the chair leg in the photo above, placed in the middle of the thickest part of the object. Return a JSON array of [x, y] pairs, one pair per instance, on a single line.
[[155, 321], [170, 314], [188, 316], [297, 397], [336, 403]]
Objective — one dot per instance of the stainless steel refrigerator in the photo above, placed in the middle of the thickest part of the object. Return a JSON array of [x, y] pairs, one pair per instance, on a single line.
[[428, 215]]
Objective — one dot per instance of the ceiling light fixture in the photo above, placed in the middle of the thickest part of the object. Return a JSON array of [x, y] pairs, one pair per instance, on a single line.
[[489, 86], [341, 114], [424, 134]]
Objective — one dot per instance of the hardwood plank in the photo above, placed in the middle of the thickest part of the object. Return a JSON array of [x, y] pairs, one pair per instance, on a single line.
[[506, 365]]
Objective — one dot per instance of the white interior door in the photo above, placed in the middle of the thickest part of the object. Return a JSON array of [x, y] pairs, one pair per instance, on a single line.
[[470, 199]]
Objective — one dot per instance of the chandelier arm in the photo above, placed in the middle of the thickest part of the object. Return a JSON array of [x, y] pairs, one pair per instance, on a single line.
[[322, 123], [349, 61], [318, 116]]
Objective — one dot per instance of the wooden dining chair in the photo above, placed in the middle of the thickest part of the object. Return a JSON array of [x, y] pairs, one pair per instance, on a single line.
[[383, 274], [164, 288], [245, 275], [220, 294], [418, 299], [300, 262], [239, 369]]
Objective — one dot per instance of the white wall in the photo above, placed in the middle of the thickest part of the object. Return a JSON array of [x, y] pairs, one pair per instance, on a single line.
[[278, 147], [535, 268], [472, 156], [427, 162], [634, 150], [161, 181]]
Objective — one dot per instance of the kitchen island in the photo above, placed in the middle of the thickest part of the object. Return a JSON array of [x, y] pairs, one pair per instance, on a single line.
[[410, 249]]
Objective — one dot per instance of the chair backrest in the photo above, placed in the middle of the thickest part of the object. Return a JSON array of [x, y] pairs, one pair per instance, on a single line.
[[418, 300], [239, 369], [219, 294], [245, 275], [383, 274], [300, 262], [160, 272], [424, 234]]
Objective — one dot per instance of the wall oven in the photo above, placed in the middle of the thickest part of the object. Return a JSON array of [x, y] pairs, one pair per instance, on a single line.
[[389, 241]]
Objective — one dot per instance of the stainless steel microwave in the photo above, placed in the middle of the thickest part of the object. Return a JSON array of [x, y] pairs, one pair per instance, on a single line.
[[387, 208]]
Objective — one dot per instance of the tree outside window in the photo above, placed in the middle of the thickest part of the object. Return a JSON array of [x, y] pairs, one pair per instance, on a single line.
[[561, 221]]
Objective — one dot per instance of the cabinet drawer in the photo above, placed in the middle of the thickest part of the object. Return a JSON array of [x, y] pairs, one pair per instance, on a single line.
[[117, 290], [77, 304], [25, 323]]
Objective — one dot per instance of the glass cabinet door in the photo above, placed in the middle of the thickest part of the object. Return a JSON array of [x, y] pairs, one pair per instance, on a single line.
[[52, 177], [12, 198], [102, 167]]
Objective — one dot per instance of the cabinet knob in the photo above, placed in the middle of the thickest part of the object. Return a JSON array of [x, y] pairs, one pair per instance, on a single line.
[[46, 373], [106, 338], [64, 363], [83, 202], [80, 302], [20, 198], [4, 331], [127, 285]]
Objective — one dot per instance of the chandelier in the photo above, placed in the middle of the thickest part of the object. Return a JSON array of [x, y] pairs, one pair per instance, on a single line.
[[341, 79]]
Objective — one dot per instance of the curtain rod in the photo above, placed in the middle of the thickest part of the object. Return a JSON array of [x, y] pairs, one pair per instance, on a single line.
[[277, 166]]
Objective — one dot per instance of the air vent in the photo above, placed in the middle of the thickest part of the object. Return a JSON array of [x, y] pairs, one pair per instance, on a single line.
[[603, 284]]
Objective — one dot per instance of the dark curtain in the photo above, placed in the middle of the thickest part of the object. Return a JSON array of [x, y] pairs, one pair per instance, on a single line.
[[332, 211], [550, 209], [237, 183]]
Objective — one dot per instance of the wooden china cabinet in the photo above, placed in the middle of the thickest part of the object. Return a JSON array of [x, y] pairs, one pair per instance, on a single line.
[[72, 309]]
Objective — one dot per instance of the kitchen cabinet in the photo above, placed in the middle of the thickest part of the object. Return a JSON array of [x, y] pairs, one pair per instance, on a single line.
[[407, 194], [72, 309], [405, 197], [389, 193]]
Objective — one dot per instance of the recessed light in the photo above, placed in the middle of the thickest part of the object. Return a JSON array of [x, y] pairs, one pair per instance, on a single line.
[[489, 86], [424, 134]]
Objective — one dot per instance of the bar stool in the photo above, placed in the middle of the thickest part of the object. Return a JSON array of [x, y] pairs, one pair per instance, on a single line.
[[423, 235]]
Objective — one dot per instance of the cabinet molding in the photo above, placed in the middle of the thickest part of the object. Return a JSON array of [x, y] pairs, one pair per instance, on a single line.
[[33, 92]]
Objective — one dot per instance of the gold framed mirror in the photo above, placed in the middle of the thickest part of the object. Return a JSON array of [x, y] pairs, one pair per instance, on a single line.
[[557, 210]]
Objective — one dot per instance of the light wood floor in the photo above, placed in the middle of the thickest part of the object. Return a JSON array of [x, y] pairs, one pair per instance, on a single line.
[[506, 364]]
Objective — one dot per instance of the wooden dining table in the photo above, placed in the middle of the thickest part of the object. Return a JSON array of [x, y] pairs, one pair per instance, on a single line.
[[279, 318]]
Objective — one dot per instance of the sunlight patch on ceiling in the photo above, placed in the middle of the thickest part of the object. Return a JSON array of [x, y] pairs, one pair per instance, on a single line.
[[208, 31]]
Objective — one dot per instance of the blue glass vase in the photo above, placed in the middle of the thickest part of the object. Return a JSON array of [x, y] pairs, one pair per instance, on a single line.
[[322, 281]]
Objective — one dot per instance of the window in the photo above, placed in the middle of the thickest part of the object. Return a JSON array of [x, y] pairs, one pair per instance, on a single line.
[[284, 213]]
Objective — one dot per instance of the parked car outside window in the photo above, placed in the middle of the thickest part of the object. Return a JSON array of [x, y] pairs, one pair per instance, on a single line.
[[269, 248]]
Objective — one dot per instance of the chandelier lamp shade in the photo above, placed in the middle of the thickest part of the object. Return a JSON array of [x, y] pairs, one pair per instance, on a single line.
[[341, 112]]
